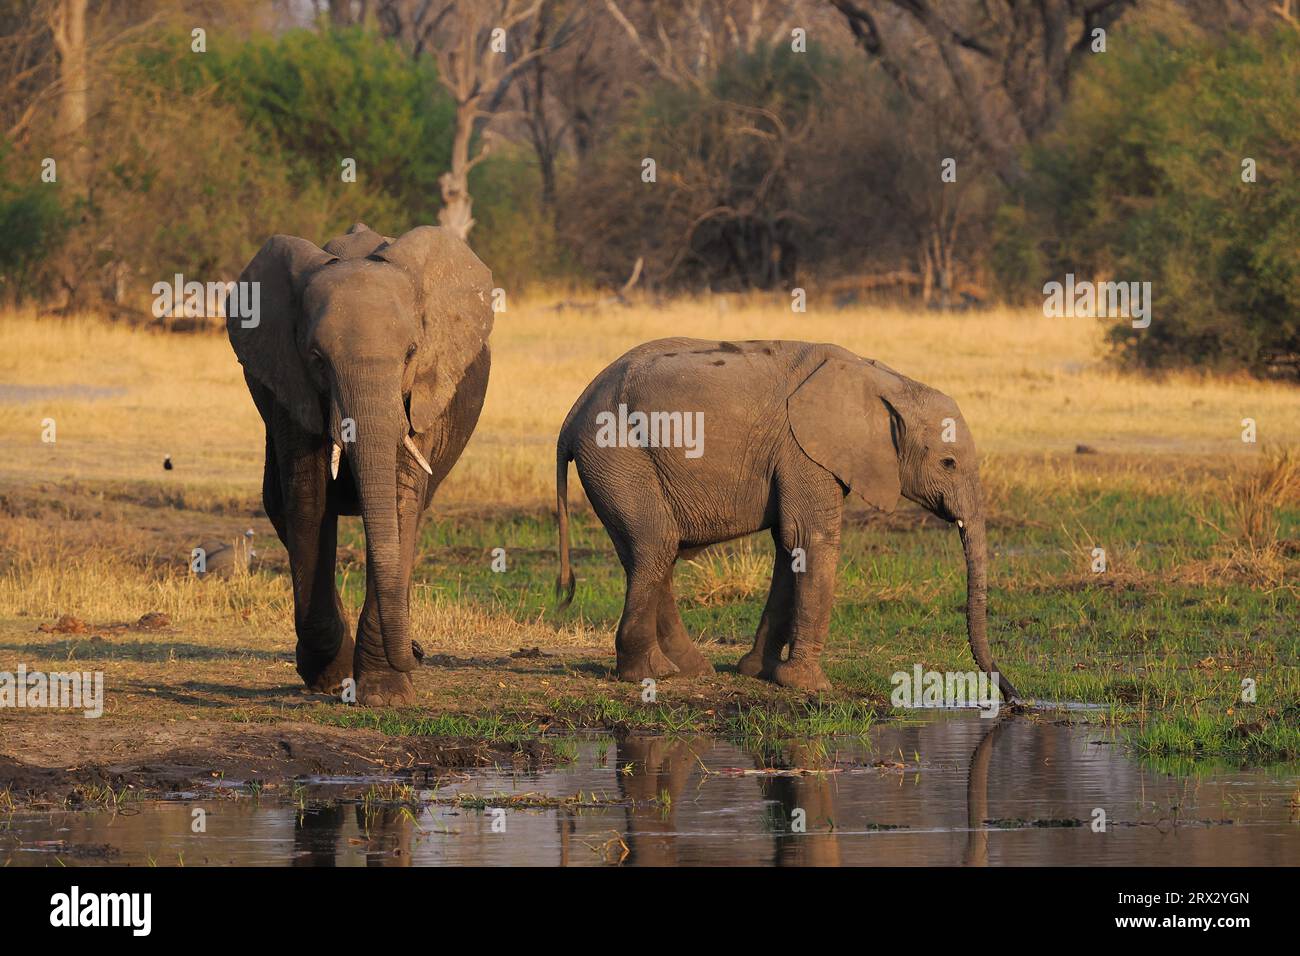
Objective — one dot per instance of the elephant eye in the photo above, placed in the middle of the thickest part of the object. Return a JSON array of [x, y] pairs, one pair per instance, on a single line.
[[410, 353], [950, 463]]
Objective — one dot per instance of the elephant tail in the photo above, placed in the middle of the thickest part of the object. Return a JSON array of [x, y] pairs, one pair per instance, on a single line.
[[565, 583]]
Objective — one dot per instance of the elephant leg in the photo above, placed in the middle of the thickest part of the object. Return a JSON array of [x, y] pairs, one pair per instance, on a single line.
[[325, 647], [310, 535], [774, 627], [673, 639], [814, 591], [378, 684], [637, 643], [272, 497], [646, 541]]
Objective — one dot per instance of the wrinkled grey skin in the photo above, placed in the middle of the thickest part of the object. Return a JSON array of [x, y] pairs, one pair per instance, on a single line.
[[389, 336], [790, 428]]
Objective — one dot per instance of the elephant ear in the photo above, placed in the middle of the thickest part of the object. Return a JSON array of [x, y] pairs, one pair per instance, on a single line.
[[269, 350], [357, 243], [453, 295], [842, 420]]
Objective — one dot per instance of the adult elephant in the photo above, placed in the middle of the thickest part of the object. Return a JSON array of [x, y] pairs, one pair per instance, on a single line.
[[782, 432], [368, 363]]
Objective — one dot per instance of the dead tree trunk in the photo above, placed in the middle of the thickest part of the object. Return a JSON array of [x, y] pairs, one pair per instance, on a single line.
[[68, 27], [456, 214]]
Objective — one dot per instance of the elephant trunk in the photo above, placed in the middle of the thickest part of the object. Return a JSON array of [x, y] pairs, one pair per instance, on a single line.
[[380, 427], [975, 547]]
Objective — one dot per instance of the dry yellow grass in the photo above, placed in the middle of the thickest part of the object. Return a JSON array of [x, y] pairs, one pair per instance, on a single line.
[[1032, 388], [94, 527], [1028, 385], [740, 572]]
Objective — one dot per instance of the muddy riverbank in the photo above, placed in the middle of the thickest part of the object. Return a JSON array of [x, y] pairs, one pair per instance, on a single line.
[[68, 761]]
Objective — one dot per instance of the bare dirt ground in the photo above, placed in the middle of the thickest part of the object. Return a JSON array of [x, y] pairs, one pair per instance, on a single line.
[[191, 708]]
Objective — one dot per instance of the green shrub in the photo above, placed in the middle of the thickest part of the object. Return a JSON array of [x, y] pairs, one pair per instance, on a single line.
[[195, 160], [516, 234], [1142, 181], [315, 98], [320, 97], [33, 225], [1015, 256]]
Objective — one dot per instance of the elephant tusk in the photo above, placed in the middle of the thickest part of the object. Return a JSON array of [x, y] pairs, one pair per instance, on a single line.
[[960, 523], [415, 452], [335, 455]]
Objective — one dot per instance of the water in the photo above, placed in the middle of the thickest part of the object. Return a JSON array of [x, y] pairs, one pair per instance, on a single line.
[[952, 789]]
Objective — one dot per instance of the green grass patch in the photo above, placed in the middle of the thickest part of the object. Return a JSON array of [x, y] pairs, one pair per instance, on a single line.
[[1239, 738], [1153, 640]]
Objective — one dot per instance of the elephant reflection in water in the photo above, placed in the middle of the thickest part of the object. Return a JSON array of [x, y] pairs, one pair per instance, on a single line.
[[316, 834], [977, 798], [659, 771], [818, 845], [653, 790], [385, 835], [813, 794]]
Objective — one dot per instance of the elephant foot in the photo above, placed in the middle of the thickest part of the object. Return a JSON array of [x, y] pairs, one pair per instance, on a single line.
[[654, 663], [689, 661], [753, 664], [801, 675], [386, 688], [327, 677]]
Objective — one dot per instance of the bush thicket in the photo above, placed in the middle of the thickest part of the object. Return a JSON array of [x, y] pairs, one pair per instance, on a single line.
[[1143, 181]]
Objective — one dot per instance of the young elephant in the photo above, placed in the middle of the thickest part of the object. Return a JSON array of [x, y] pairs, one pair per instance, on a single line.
[[368, 363], [781, 432]]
